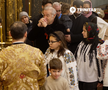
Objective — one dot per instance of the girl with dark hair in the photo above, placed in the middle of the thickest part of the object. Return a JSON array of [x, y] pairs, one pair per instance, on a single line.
[[58, 49], [89, 67]]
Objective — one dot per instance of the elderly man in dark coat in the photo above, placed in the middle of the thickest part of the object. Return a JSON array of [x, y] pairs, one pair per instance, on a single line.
[[46, 25]]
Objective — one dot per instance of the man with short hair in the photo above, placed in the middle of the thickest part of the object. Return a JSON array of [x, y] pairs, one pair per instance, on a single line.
[[46, 25], [22, 67], [57, 7], [23, 16], [78, 20], [44, 4]]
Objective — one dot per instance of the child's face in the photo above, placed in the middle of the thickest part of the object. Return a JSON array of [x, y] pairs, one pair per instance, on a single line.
[[84, 32], [53, 43], [25, 19], [55, 73]]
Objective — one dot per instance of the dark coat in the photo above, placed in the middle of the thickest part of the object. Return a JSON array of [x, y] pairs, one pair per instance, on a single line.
[[40, 34], [36, 19], [92, 16], [29, 26], [67, 22], [76, 31]]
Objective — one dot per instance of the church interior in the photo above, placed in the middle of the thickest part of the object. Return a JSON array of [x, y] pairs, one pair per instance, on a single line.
[[10, 9]]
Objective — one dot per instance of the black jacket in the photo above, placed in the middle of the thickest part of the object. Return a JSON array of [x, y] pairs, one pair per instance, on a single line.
[[40, 34], [29, 26], [76, 31]]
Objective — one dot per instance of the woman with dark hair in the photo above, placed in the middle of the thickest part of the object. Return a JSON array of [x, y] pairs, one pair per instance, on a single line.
[[89, 67], [58, 49]]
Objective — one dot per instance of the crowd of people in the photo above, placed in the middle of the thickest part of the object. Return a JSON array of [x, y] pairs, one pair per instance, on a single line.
[[56, 50]]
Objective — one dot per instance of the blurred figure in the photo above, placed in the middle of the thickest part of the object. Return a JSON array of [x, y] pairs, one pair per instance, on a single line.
[[100, 13], [67, 22], [57, 7], [89, 14], [102, 25], [44, 4], [76, 31], [0, 40], [0, 21], [102, 54], [0, 25], [106, 10], [23, 16], [46, 25]]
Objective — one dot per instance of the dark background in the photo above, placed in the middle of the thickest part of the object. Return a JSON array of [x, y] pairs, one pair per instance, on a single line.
[[36, 6]]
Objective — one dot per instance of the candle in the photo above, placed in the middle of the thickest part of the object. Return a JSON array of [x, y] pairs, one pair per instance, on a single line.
[[29, 8], [1, 33]]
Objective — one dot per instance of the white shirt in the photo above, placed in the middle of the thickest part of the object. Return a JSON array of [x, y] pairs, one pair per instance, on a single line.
[[69, 67], [86, 73], [102, 53]]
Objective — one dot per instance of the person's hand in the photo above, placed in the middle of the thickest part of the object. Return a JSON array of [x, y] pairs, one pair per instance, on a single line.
[[99, 85], [39, 24], [68, 38], [42, 22], [68, 30]]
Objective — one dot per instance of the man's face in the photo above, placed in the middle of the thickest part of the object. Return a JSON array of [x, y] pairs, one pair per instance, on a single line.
[[77, 12], [49, 16], [58, 10], [25, 19]]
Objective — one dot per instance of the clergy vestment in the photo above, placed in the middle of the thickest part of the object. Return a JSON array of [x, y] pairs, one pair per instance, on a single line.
[[22, 67]]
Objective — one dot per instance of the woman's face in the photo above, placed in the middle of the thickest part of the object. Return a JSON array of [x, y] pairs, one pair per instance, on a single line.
[[53, 43], [84, 32], [86, 6]]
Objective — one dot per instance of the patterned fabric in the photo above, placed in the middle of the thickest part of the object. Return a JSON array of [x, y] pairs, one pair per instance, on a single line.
[[92, 30], [69, 67], [102, 54], [22, 67], [87, 72], [93, 39]]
